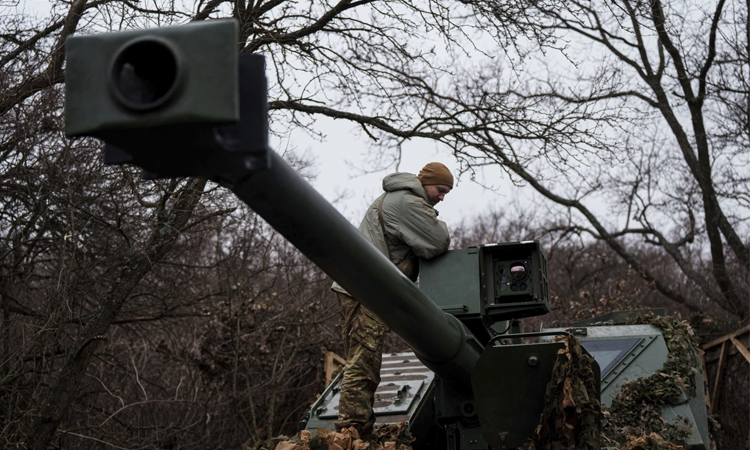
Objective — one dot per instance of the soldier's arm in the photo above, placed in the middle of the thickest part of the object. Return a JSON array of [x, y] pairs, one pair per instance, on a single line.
[[420, 229]]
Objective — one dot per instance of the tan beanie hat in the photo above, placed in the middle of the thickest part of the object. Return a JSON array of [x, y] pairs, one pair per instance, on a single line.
[[435, 173]]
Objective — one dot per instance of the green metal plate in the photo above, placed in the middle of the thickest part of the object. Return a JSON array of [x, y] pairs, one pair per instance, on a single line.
[[512, 390], [451, 280]]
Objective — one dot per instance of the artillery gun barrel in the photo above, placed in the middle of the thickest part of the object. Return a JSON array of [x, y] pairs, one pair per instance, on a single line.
[[297, 211], [179, 102]]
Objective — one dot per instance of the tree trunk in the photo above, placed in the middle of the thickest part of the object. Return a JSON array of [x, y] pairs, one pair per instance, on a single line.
[[66, 389]]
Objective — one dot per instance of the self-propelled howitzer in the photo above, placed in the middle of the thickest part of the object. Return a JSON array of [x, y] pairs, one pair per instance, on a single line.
[[180, 102]]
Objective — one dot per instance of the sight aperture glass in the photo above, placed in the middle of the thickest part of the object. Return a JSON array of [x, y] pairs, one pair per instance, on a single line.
[[145, 74], [518, 271]]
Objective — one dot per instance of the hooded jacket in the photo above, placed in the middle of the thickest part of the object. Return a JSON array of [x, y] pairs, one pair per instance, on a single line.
[[411, 222]]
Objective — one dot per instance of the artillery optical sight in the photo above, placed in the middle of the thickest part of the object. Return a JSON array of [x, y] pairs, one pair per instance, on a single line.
[[488, 284]]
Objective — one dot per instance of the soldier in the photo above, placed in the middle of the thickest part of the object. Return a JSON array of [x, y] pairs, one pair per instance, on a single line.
[[403, 225]]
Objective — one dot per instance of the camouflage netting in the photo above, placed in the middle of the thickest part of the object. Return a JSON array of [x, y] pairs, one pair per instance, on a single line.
[[389, 437], [634, 420], [571, 412]]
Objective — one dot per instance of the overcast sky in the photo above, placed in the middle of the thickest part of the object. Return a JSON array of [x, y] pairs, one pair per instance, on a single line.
[[340, 179]]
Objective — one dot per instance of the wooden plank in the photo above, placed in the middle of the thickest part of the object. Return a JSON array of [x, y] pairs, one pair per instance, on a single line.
[[717, 380], [332, 362], [706, 383], [341, 361], [741, 348], [727, 337], [714, 354], [328, 367]]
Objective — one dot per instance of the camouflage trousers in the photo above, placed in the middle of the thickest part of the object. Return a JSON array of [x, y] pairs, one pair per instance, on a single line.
[[363, 344]]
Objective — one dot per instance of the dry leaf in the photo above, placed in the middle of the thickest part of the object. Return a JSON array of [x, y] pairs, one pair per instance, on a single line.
[[343, 440], [568, 393], [352, 431], [305, 436], [287, 445], [359, 444]]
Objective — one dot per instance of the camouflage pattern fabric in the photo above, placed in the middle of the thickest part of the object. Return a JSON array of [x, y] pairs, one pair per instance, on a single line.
[[362, 334], [570, 420]]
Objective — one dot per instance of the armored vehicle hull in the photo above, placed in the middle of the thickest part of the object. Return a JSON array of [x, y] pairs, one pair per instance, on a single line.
[[409, 390]]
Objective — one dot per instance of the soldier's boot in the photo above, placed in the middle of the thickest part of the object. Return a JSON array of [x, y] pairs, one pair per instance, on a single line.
[[363, 432]]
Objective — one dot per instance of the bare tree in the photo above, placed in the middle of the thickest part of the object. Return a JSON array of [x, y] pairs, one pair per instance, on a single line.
[[675, 173], [102, 274], [157, 314], [630, 116]]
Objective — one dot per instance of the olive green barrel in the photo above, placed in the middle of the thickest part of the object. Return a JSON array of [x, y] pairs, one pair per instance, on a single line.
[[150, 96], [311, 224]]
